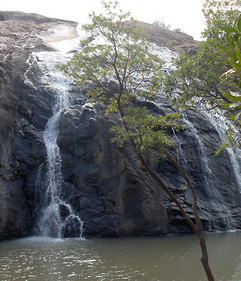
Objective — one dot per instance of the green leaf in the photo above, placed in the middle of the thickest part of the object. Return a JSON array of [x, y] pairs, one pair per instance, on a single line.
[[238, 54], [228, 29], [222, 48], [230, 53], [231, 97], [232, 117], [236, 37], [229, 41], [234, 56], [235, 65], [225, 105], [239, 23], [237, 82]]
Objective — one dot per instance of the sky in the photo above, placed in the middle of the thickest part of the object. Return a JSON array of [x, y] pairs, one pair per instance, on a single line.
[[183, 14]]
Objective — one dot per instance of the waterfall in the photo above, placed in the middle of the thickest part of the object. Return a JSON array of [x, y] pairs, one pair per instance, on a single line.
[[217, 201], [207, 173], [220, 125], [209, 180], [57, 218], [180, 155]]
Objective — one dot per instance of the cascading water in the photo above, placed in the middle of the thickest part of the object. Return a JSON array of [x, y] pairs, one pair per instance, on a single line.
[[220, 125], [180, 156], [57, 218], [209, 180], [207, 173]]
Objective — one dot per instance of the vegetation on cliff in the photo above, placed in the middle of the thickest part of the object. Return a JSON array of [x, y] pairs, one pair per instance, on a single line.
[[199, 77], [202, 78]]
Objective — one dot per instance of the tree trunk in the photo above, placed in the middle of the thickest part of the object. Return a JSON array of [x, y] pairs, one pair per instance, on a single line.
[[204, 257], [197, 226]]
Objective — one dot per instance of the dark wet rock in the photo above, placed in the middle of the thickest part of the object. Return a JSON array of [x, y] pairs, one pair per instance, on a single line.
[[114, 188], [105, 185], [24, 111]]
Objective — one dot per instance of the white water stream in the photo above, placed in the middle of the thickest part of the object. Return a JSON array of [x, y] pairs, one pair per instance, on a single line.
[[56, 214], [207, 172], [209, 180], [221, 125]]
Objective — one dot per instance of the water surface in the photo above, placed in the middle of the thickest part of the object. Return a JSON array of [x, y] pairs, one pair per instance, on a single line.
[[140, 258]]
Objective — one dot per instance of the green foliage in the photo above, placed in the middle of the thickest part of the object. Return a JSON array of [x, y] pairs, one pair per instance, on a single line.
[[115, 73], [178, 30], [160, 22], [233, 138], [116, 70], [172, 43], [183, 188], [233, 50], [144, 130], [199, 77], [207, 77], [217, 14]]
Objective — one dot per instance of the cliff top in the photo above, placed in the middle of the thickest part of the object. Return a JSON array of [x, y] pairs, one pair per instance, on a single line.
[[16, 29], [20, 31], [174, 40]]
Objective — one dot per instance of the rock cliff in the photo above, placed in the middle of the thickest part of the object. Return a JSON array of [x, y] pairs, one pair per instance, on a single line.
[[106, 185], [23, 115]]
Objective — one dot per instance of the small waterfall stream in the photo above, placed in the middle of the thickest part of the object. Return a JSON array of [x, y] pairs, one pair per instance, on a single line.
[[180, 155], [56, 216], [217, 201], [207, 173], [220, 125], [210, 179]]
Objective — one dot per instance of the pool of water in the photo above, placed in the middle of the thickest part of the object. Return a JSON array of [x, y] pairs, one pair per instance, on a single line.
[[137, 258]]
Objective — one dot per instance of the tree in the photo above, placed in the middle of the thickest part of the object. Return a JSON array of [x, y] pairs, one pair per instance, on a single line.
[[219, 13], [198, 78], [233, 50], [119, 72], [206, 78], [161, 23], [123, 56]]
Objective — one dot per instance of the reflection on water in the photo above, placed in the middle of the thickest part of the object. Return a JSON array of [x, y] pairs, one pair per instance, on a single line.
[[148, 258]]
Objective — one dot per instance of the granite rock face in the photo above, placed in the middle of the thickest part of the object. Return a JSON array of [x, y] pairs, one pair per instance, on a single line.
[[24, 112], [174, 40], [114, 195], [104, 184]]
